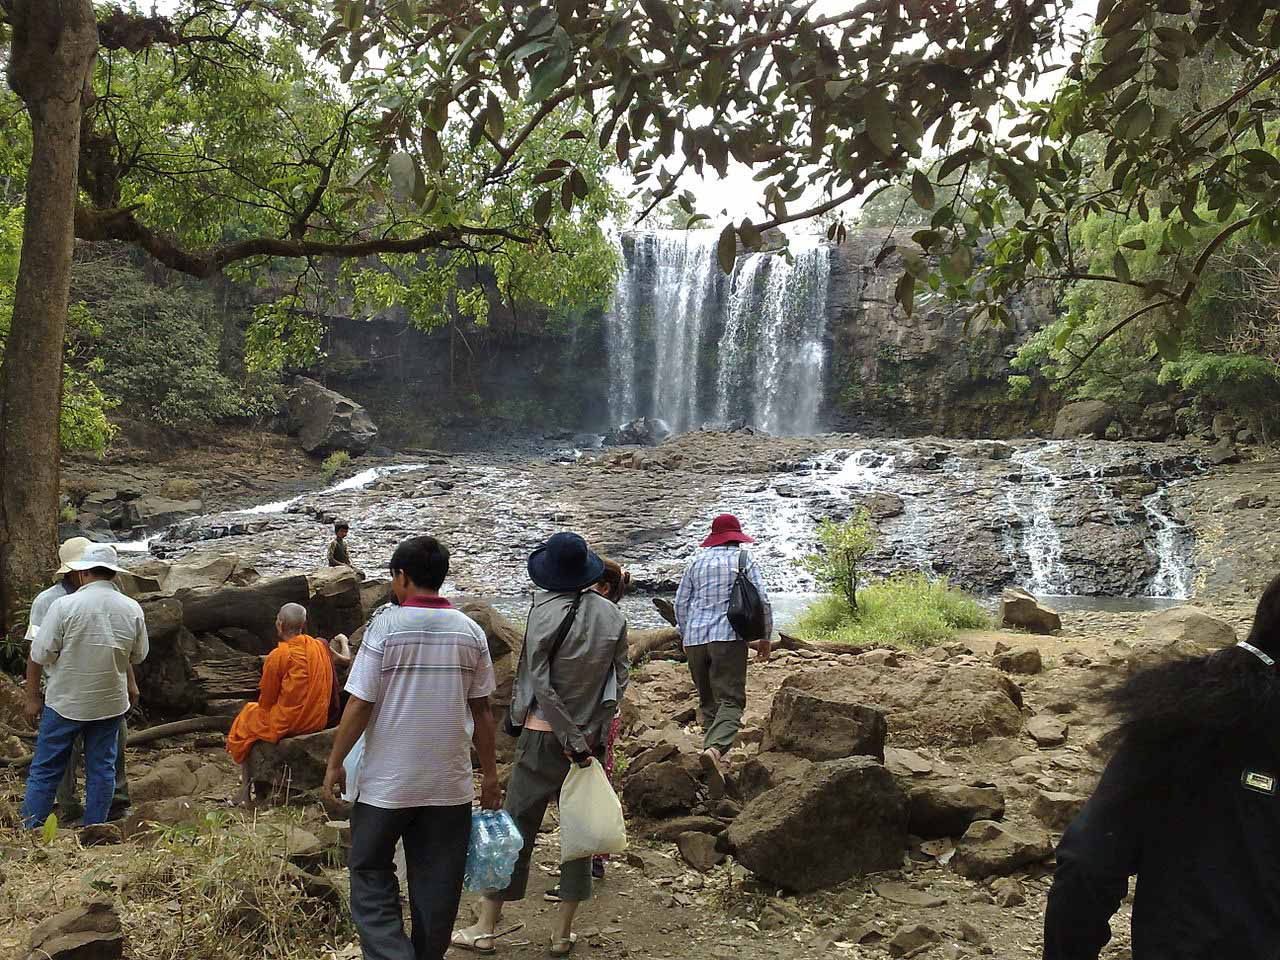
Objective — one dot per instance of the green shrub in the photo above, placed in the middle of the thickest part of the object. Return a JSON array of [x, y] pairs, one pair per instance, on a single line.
[[334, 464], [904, 610], [844, 545]]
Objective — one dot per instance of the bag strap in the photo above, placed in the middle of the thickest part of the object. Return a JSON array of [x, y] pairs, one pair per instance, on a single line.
[[743, 559], [565, 626]]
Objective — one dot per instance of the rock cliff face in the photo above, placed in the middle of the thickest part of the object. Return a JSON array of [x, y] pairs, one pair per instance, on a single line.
[[885, 372], [926, 373]]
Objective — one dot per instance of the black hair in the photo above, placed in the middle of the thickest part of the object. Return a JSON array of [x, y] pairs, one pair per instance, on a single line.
[[424, 560], [1185, 709], [341, 525]]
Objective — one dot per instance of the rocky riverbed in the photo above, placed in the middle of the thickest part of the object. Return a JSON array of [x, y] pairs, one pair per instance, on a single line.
[[1091, 518]]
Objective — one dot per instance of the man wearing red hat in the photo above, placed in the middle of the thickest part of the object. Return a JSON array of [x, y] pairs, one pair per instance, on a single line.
[[717, 655]]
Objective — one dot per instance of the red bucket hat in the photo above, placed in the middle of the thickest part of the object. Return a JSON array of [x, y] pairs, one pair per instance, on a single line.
[[726, 529]]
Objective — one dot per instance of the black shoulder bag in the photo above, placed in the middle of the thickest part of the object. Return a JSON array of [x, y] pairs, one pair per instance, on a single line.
[[746, 609], [510, 727]]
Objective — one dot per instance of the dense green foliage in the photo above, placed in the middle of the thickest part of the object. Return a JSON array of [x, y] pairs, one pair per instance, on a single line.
[[84, 423], [907, 610]]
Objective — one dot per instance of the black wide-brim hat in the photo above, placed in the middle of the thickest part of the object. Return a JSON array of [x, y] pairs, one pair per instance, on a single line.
[[565, 563]]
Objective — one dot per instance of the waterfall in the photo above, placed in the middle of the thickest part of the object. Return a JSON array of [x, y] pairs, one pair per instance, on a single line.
[[1172, 548], [1038, 537], [688, 344]]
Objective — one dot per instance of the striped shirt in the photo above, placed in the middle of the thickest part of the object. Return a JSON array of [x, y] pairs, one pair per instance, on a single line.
[[418, 665], [702, 602]]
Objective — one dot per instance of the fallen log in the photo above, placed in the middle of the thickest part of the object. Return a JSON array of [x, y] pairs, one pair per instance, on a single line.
[[645, 643], [160, 731]]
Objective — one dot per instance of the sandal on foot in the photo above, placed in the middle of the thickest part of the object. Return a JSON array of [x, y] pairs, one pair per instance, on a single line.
[[471, 942], [713, 769], [562, 948], [553, 895]]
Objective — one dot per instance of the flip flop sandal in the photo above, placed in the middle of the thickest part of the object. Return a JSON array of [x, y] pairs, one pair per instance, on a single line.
[[470, 942], [562, 948]]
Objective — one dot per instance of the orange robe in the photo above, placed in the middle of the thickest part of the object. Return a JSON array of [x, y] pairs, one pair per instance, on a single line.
[[294, 696]]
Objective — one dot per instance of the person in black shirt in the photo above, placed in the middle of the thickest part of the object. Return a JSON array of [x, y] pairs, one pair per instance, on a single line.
[[1189, 804]]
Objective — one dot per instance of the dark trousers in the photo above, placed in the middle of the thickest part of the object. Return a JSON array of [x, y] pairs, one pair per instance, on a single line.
[[719, 672], [435, 852], [69, 805], [536, 778]]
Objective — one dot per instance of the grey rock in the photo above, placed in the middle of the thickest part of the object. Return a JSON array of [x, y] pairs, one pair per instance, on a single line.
[[661, 789], [1085, 418], [947, 811], [1047, 731], [91, 931], [1056, 810], [325, 421], [824, 726], [1018, 608], [990, 849], [699, 851], [846, 819], [1022, 660]]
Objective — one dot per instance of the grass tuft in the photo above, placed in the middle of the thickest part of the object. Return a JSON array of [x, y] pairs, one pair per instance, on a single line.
[[905, 610]]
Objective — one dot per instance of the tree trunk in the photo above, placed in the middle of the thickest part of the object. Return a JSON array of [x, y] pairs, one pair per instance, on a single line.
[[50, 68]]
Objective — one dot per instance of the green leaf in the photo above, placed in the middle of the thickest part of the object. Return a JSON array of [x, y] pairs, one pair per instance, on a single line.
[[905, 292], [835, 88], [922, 190], [580, 186], [469, 44], [404, 173], [529, 48], [750, 234], [432, 151], [879, 121], [547, 76], [353, 16], [566, 194], [727, 248], [495, 120], [1121, 267], [542, 207], [1136, 120], [49, 832]]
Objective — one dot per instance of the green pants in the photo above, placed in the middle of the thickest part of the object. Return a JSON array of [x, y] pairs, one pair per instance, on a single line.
[[719, 672], [69, 805], [536, 778]]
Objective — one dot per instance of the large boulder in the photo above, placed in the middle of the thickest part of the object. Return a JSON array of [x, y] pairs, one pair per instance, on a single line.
[[768, 770], [334, 603], [89, 931], [253, 608], [1087, 418], [662, 789], [927, 702], [824, 726], [846, 819], [169, 778], [947, 811], [1176, 633], [645, 432], [504, 636], [1018, 608], [155, 512], [325, 421], [293, 765], [990, 849]]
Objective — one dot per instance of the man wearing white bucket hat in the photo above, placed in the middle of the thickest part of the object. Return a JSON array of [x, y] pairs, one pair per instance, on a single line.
[[86, 642], [69, 805]]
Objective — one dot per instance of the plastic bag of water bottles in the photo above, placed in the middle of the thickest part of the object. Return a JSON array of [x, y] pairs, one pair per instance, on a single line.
[[495, 847]]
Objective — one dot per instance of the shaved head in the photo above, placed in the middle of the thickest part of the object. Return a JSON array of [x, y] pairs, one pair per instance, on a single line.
[[292, 619]]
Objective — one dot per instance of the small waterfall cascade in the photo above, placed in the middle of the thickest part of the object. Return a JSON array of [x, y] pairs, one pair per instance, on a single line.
[[1037, 537], [688, 344], [1173, 547]]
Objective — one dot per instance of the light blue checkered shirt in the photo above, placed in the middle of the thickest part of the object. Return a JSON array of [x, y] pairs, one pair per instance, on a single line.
[[702, 602]]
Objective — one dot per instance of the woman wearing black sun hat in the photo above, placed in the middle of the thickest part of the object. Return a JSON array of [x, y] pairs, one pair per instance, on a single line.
[[572, 675]]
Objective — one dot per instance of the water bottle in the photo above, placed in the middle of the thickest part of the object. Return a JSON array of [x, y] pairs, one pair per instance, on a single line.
[[491, 856]]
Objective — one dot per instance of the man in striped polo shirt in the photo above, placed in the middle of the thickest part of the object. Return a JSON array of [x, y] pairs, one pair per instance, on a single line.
[[420, 687]]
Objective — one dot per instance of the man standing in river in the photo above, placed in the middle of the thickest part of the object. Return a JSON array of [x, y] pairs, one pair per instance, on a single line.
[[717, 655]]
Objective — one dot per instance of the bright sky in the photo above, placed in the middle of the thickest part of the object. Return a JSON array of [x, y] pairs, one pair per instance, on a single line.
[[737, 194]]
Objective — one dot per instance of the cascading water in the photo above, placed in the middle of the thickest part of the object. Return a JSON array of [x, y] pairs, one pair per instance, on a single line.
[[1173, 545], [1037, 537], [688, 344]]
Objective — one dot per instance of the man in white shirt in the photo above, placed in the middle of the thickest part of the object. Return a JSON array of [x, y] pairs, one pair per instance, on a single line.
[[420, 689], [69, 805], [86, 642]]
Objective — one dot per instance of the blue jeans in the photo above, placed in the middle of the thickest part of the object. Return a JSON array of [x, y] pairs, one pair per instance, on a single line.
[[53, 753]]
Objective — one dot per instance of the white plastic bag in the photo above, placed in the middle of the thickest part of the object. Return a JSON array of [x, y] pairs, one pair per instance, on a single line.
[[352, 766], [591, 821]]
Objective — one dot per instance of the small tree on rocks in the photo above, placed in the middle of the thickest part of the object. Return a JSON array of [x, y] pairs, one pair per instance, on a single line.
[[844, 545]]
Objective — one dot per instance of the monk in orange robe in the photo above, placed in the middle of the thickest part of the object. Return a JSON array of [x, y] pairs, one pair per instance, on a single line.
[[296, 693]]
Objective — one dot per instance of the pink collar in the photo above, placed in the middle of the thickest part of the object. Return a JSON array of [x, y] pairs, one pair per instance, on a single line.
[[431, 603]]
